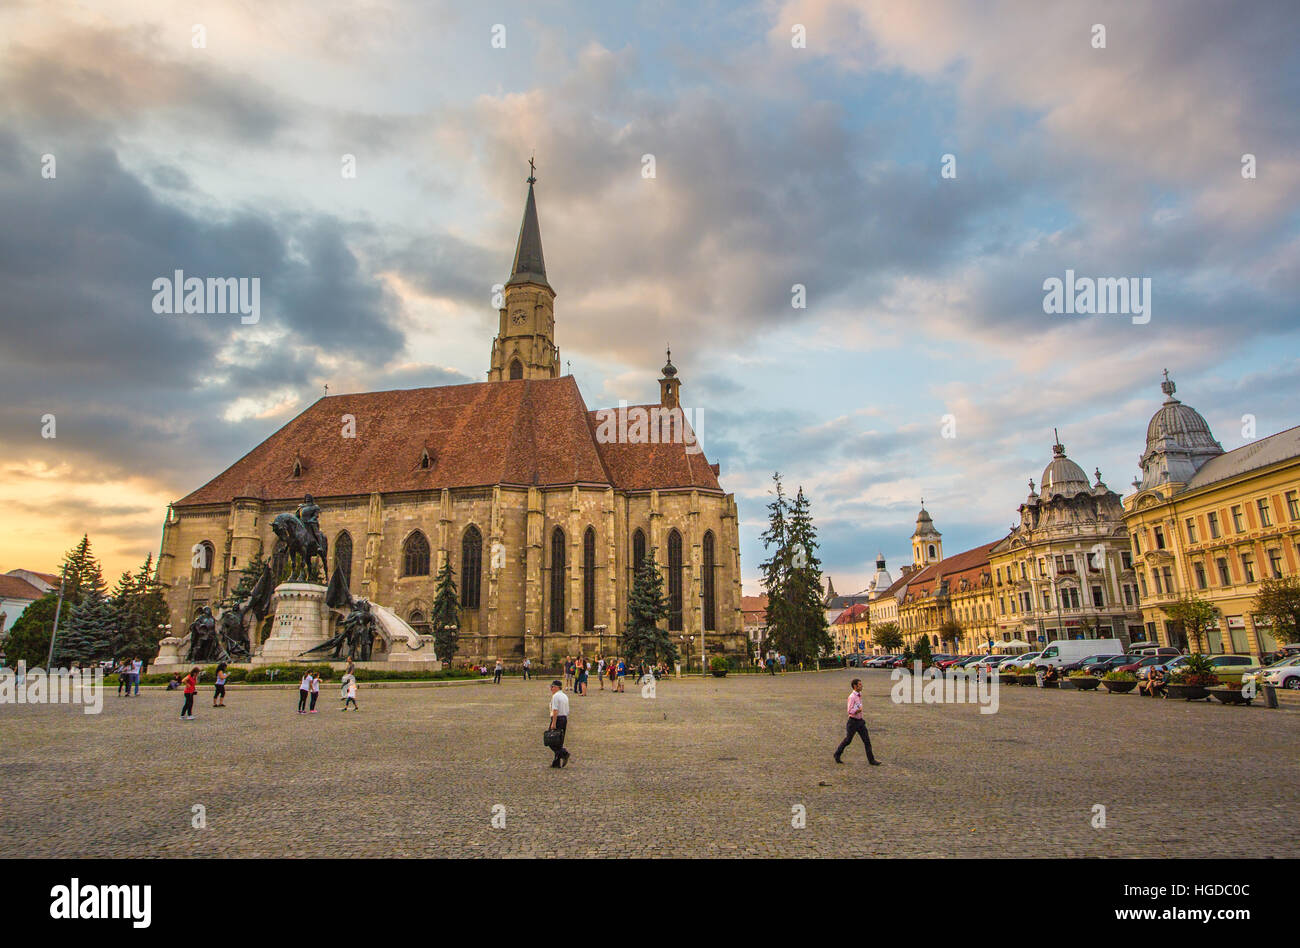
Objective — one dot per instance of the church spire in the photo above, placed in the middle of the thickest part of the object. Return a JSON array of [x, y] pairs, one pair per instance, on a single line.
[[530, 265], [524, 347]]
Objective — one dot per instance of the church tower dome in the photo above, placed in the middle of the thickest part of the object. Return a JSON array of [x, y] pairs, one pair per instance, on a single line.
[[1063, 476], [524, 347], [1179, 442]]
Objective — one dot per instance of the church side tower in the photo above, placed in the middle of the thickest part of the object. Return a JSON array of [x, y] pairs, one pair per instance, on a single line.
[[927, 542], [524, 347]]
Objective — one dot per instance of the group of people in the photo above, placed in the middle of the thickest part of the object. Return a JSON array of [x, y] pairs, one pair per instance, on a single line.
[[774, 661], [309, 691], [577, 672], [128, 677]]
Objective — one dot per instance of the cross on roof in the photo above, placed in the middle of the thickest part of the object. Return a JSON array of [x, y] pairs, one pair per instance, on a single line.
[[532, 170]]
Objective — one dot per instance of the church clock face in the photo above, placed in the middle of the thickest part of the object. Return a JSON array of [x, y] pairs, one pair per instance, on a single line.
[[518, 317]]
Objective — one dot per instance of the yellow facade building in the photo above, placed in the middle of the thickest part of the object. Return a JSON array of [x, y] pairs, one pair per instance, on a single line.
[[1213, 524]]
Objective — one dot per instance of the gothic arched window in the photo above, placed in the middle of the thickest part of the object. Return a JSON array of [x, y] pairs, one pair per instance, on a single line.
[[638, 550], [343, 556], [557, 582], [589, 579], [710, 599], [675, 581], [471, 568], [516, 369], [417, 621], [205, 558], [415, 555]]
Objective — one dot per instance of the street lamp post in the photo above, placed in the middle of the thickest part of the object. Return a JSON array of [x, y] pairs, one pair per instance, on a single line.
[[49, 660]]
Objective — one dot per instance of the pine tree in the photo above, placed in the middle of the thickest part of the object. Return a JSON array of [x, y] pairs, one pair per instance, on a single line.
[[809, 634], [776, 567], [445, 618], [141, 610], [643, 637], [922, 652], [90, 634]]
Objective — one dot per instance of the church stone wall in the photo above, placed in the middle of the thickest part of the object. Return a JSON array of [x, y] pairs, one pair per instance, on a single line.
[[513, 618]]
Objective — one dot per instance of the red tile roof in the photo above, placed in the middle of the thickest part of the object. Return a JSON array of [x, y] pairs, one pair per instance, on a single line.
[[851, 614], [647, 466], [969, 565], [521, 432], [15, 587]]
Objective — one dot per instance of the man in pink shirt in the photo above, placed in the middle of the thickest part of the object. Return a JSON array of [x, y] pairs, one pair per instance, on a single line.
[[856, 725]]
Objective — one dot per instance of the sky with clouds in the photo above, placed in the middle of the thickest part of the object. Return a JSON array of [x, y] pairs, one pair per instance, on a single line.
[[775, 165]]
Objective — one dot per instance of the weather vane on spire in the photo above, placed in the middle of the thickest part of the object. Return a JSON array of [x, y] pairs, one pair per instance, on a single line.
[[532, 170]]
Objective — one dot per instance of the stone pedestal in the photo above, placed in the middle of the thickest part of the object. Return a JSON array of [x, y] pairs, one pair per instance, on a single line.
[[170, 655], [302, 621]]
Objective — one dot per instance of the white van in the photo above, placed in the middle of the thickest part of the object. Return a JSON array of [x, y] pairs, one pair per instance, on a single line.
[[1067, 651]]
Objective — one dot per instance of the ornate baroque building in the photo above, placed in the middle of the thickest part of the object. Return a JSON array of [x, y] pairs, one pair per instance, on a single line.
[[1064, 571], [542, 513], [1212, 524]]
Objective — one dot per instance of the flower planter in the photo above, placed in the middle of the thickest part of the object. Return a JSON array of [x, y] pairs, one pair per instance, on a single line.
[[1085, 684], [1029, 681], [1229, 696], [718, 673], [1067, 684], [1187, 692], [1120, 687], [1007, 679]]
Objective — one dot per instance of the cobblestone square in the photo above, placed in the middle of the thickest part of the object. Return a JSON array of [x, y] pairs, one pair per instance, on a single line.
[[705, 768]]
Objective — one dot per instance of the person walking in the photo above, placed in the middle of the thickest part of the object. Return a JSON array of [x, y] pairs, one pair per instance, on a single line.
[[528, 669], [856, 725], [348, 678], [622, 675], [137, 669], [560, 722], [219, 691], [304, 690], [351, 699], [600, 671], [496, 672], [315, 692], [191, 684], [124, 679]]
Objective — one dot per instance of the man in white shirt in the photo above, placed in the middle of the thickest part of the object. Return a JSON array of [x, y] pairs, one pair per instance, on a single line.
[[559, 721], [137, 667]]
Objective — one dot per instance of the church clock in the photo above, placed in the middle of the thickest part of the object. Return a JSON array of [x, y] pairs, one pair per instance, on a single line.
[[518, 317]]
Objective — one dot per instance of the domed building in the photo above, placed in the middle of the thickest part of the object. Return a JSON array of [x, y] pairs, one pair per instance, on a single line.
[[1065, 571], [1212, 524]]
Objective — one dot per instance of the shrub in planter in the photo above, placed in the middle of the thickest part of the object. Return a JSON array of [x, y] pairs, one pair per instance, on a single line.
[[1229, 694], [718, 667], [1082, 681], [1118, 682]]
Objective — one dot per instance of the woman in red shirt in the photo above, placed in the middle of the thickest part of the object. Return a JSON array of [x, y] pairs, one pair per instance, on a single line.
[[191, 688]]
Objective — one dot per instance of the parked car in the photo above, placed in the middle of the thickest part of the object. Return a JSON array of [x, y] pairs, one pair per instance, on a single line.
[[950, 661], [1024, 659], [879, 661], [1283, 674], [1087, 664], [1145, 651], [986, 662], [1140, 662], [1111, 664]]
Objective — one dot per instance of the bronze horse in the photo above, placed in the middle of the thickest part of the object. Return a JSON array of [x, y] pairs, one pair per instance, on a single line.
[[299, 544]]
